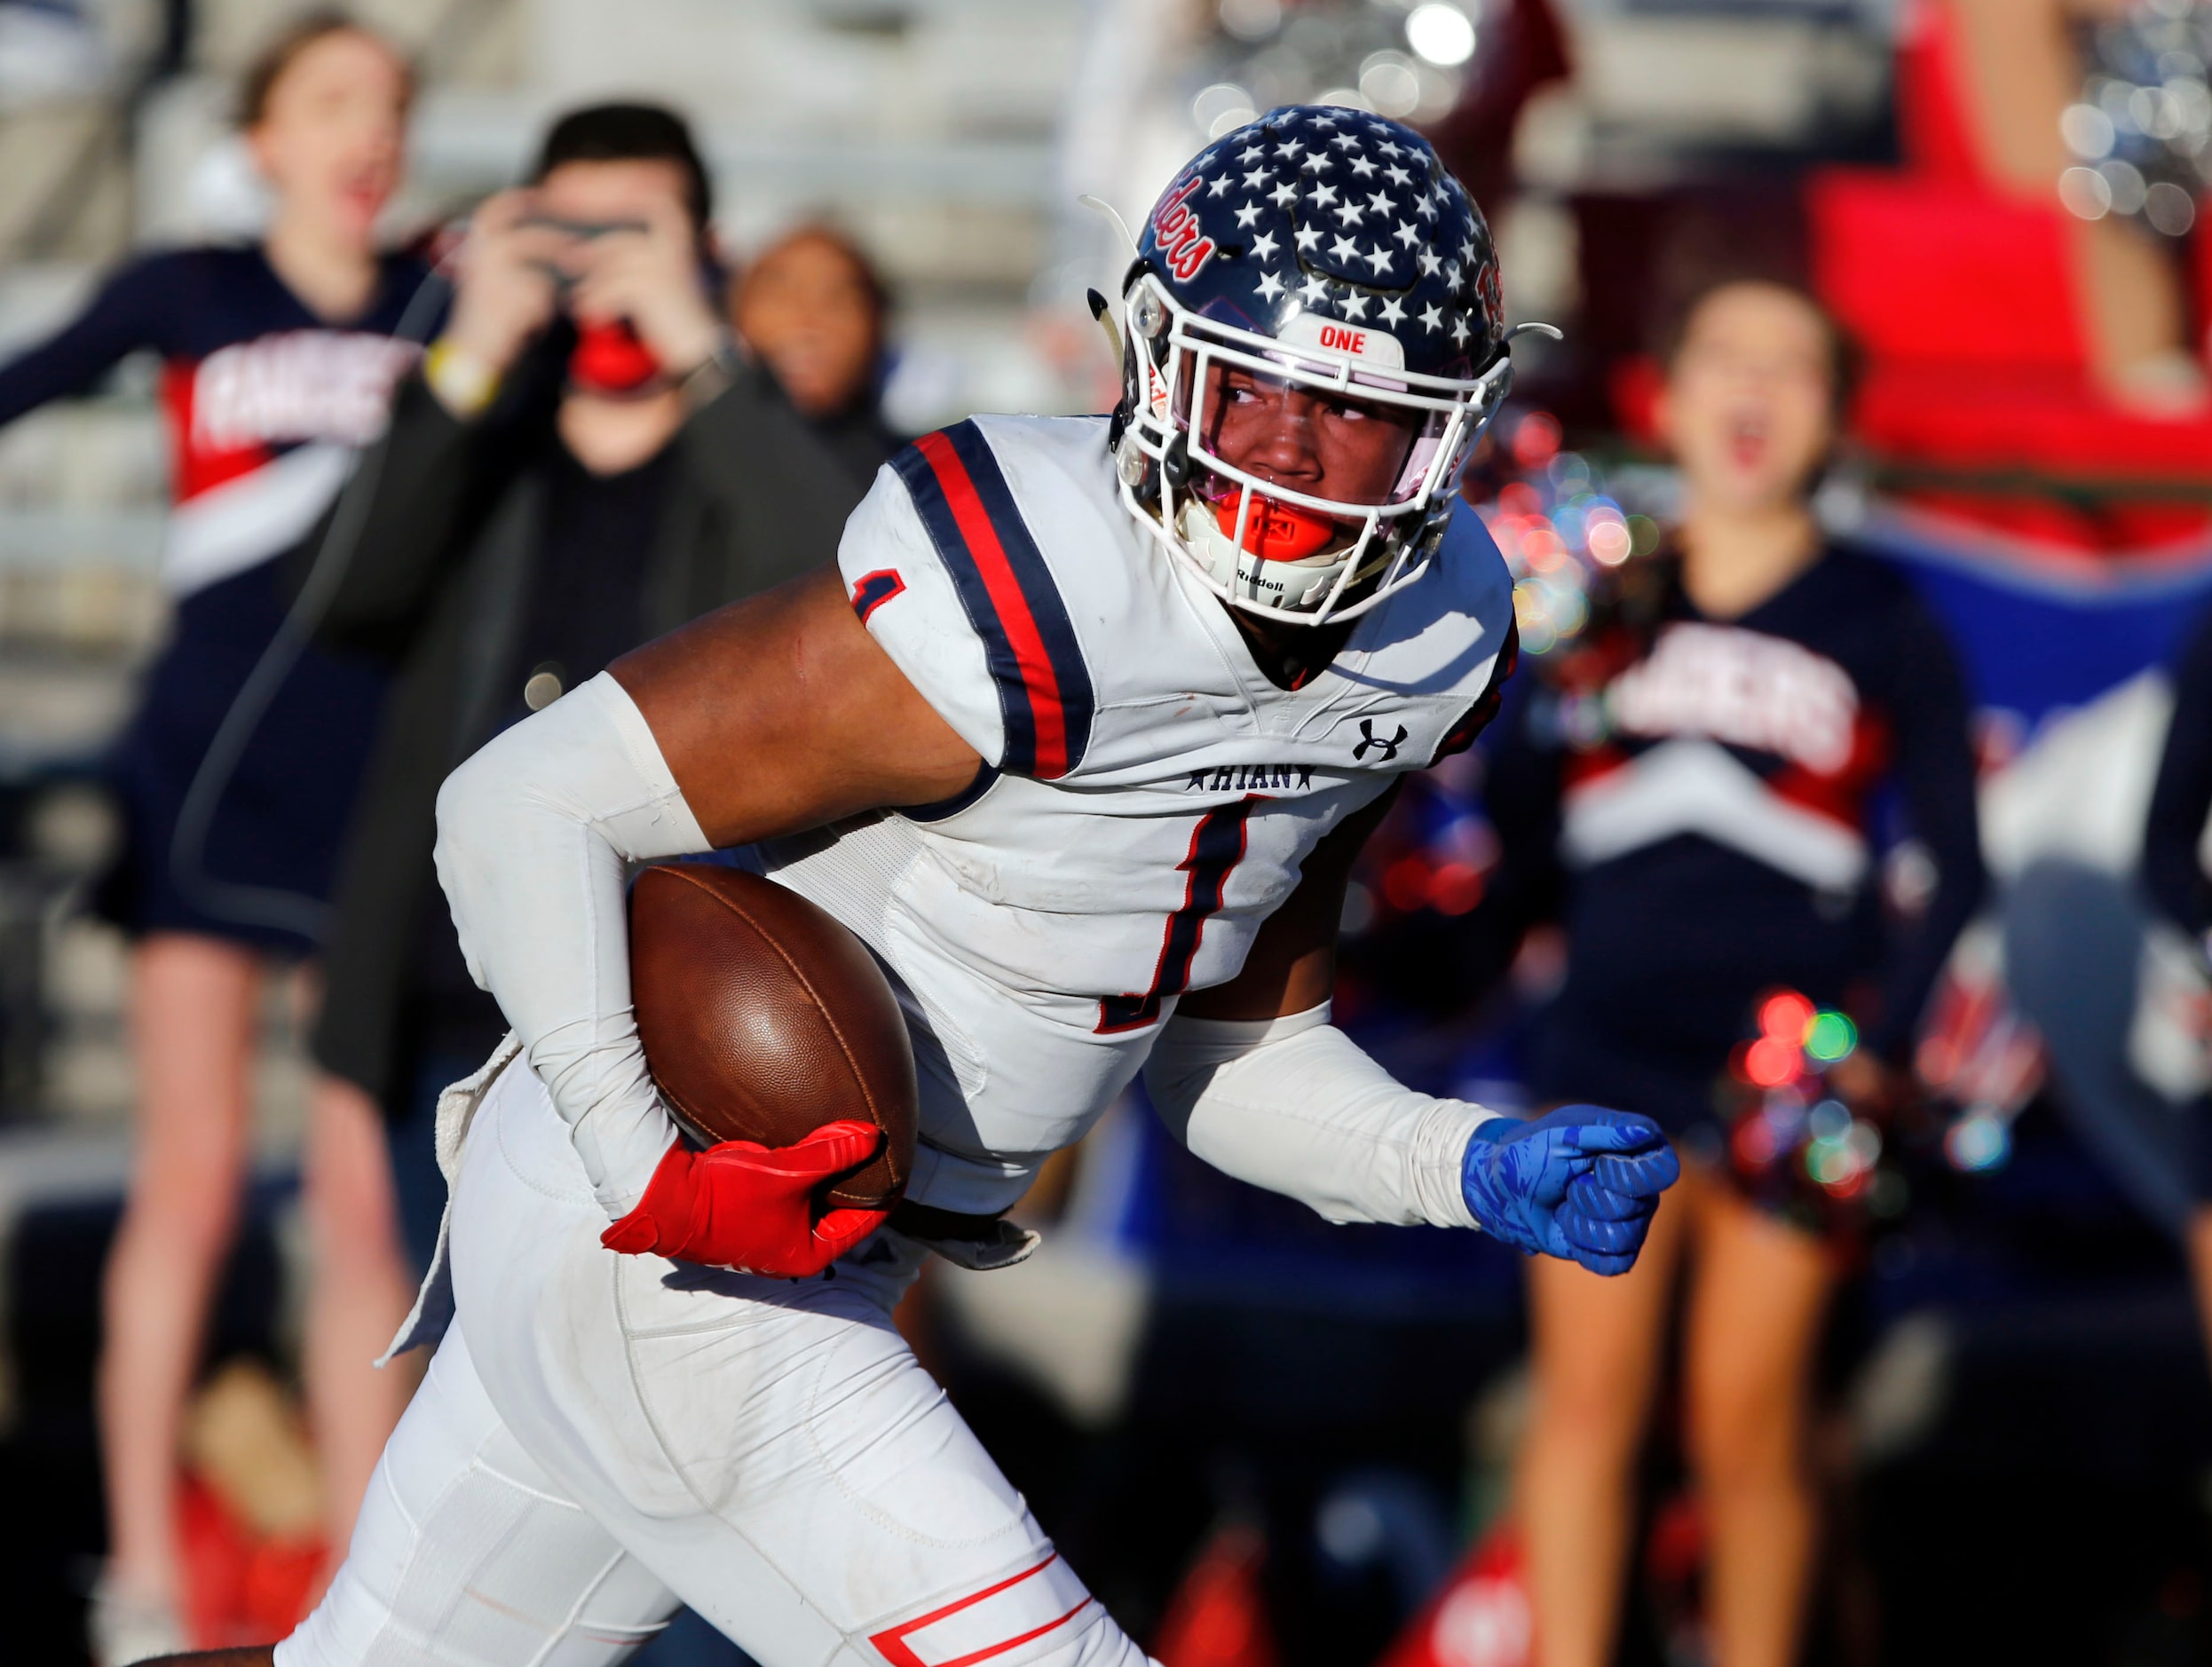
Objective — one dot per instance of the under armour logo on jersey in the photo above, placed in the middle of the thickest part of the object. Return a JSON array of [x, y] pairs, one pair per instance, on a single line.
[[1386, 746]]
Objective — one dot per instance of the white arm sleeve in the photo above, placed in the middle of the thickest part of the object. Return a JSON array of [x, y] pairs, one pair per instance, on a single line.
[[1293, 1105], [534, 836]]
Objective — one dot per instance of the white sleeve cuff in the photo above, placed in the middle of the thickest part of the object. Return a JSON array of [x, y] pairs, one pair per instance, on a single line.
[[1293, 1104], [535, 835]]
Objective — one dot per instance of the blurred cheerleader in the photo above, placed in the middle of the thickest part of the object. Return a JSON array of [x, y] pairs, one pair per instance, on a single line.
[[277, 361], [1692, 784]]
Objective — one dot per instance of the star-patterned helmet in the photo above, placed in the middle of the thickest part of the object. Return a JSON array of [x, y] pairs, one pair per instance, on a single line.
[[1327, 250]]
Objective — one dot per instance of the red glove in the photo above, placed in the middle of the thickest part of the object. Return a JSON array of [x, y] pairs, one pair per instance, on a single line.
[[745, 1205]]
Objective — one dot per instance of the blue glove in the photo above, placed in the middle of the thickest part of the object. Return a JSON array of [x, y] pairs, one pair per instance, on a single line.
[[1580, 1183]]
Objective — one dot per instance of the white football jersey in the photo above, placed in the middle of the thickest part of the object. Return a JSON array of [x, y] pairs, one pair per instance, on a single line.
[[1147, 794]]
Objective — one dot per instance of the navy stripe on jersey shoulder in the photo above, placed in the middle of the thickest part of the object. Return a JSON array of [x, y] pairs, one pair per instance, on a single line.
[[1043, 687], [1046, 608], [938, 809]]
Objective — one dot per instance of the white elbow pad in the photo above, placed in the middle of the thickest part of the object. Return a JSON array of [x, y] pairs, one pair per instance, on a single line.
[[535, 834], [1293, 1105]]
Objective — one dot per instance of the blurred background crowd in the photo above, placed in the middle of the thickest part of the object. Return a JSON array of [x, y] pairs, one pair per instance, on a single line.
[[1848, 811]]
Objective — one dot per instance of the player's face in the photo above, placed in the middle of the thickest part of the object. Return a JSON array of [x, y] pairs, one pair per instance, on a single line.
[[332, 136], [1324, 444], [1749, 404]]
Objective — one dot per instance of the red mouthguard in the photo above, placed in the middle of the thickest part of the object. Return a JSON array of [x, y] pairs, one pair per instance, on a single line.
[[1278, 531]]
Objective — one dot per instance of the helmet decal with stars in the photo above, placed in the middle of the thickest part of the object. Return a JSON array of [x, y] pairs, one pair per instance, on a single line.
[[1337, 253]]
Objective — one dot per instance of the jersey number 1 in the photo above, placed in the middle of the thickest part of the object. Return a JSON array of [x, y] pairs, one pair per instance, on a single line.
[[1217, 845]]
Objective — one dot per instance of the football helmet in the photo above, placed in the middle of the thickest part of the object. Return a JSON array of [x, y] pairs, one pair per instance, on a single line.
[[1323, 250]]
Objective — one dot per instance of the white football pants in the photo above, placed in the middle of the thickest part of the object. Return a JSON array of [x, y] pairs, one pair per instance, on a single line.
[[601, 1436]]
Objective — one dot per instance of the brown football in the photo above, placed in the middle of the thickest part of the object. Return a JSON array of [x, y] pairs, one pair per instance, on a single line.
[[763, 1018]]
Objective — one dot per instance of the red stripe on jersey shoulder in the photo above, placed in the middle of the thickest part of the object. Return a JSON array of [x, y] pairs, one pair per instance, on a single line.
[[996, 569]]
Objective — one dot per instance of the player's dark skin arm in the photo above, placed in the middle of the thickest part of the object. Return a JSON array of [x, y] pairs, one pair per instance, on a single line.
[[782, 713]]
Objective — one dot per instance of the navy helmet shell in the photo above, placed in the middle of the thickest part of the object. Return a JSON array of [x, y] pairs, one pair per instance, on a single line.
[[1331, 213]]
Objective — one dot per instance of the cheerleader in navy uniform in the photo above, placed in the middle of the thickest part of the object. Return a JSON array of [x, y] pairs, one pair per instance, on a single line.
[[277, 363], [1696, 784]]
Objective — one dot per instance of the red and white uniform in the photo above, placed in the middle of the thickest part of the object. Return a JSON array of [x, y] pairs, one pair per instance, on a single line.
[[602, 1434]]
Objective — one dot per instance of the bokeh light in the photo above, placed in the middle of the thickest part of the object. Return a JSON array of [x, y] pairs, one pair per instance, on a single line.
[[1405, 883], [1785, 1016], [1831, 1036], [1536, 439], [1441, 32], [1770, 1062], [1977, 1141], [1454, 888], [1830, 1120]]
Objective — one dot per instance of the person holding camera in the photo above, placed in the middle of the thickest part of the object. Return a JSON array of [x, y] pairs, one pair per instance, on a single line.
[[584, 462]]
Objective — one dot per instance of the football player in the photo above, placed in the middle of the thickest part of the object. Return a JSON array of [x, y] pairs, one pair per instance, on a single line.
[[1081, 740]]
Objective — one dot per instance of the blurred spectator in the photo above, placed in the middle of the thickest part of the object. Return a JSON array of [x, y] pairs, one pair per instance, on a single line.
[[48, 51], [1695, 781], [277, 361], [584, 463], [2180, 891], [814, 309], [2022, 71]]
